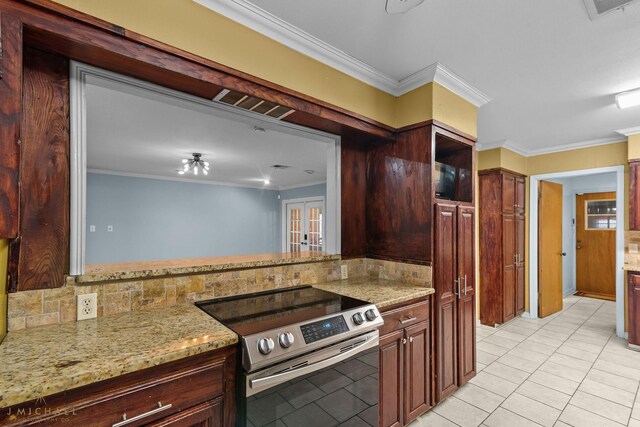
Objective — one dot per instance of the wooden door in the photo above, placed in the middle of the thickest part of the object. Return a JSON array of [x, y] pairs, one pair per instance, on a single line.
[[509, 267], [596, 244], [633, 297], [508, 193], [549, 248], [417, 373], [519, 282], [467, 297], [391, 379], [446, 285]]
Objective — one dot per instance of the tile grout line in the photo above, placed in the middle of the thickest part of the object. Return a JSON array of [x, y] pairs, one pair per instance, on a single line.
[[548, 357], [593, 363]]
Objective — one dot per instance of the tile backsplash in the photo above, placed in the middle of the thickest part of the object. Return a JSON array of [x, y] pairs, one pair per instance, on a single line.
[[42, 307]]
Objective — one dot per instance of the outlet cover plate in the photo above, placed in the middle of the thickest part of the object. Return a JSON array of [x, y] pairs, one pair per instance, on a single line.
[[87, 306], [344, 270]]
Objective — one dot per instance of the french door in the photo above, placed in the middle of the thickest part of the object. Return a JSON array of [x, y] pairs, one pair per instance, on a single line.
[[304, 229]]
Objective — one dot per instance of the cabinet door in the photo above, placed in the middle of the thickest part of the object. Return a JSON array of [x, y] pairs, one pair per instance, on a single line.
[[467, 298], [417, 372], [519, 280], [634, 195], [509, 268], [520, 195], [208, 414], [508, 193], [391, 379], [446, 285], [634, 308]]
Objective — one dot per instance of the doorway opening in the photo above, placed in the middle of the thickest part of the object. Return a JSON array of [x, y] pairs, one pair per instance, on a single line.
[[608, 180]]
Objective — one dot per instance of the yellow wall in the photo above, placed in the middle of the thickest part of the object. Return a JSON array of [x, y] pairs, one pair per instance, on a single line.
[[4, 253], [634, 147], [196, 29], [453, 110], [502, 158]]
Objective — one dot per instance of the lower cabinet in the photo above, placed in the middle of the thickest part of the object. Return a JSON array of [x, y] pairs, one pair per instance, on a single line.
[[633, 299], [194, 391], [405, 364]]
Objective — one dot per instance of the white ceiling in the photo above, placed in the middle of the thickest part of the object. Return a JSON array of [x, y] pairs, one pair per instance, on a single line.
[[134, 131], [550, 71]]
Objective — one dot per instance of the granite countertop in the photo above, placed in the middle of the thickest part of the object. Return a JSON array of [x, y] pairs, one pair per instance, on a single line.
[[42, 361], [382, 293], [149, 269]]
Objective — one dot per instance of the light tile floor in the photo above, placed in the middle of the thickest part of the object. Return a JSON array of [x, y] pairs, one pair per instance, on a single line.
[[568, 369]]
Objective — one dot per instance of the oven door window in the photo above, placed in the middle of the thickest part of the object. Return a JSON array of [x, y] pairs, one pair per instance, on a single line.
[[345, 393]]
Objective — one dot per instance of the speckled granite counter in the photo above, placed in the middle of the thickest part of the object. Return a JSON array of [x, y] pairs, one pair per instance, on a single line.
[[149, 269], [42, 361], [380, 292]]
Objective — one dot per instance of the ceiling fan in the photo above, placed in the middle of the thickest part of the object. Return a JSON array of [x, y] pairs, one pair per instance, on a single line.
[[401, 6]]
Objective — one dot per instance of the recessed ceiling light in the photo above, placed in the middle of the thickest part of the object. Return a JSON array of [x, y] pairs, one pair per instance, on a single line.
[[258, 129], [628, 99], [266, 181], [309, 171]]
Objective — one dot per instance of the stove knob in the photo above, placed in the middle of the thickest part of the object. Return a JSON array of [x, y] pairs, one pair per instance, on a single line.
[[286, 339], [358, 319], [371, 315], [265, 345]]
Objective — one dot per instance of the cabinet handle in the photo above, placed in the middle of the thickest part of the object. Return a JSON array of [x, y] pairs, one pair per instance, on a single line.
[[407, 320], [404, 341], [457, 287], [126, 421], [465, 285], [410, 339]]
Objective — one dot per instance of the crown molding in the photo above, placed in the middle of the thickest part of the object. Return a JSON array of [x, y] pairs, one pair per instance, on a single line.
[[629, 131], [574, 146], [258, 19], [510, 145]]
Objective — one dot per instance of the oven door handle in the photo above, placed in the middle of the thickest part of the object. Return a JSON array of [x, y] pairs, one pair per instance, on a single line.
[[273, 380]]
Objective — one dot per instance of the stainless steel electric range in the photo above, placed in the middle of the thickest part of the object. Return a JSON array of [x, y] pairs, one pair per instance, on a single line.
[[308, 357]]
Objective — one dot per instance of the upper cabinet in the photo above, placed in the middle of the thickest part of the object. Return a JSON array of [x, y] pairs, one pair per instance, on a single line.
[[634, 195], [453, 166]]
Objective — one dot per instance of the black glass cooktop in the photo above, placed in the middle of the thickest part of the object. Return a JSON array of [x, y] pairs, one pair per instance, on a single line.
[[253, 313]]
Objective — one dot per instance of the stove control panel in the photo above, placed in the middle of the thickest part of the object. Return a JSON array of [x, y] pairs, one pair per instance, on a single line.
[[271, 346], [322, 329]]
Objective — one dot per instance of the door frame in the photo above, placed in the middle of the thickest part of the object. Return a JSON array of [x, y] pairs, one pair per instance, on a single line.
[[283, 218], [533, 238]]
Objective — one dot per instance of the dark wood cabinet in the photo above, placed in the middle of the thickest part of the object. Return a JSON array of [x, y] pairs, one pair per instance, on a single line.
[[405, 364], [454, 279], [633, 298], [195, 391], [634, 195], [502, 245]]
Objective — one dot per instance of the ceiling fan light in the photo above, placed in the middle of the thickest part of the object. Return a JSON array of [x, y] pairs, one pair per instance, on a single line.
[[181, 172], [628, 99], [185, 160], [205, 172]]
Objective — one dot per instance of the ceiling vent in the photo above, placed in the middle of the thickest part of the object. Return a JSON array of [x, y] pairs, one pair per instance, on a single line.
[[250, 103], [598, 8]]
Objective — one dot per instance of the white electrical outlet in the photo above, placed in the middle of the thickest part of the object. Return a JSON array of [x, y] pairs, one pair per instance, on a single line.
[[92, 228], [344, 270], [87, 306], [633, 248], [109, 228]]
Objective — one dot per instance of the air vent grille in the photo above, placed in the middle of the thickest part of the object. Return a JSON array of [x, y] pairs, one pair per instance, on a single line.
[[251, 103], [597, 8]]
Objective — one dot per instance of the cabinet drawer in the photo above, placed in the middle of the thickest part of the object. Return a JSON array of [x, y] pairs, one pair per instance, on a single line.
[[404, 316], [139, 402]]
